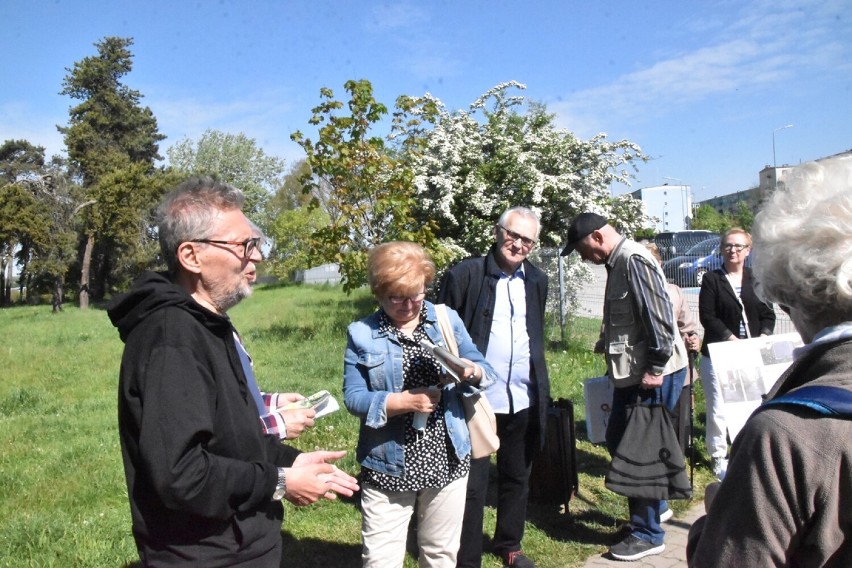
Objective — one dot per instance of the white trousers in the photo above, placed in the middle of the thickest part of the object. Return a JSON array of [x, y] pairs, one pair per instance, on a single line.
[[385, 519], [717, 442]]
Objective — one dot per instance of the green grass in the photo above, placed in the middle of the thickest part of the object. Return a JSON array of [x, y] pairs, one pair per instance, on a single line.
[[63, 500]]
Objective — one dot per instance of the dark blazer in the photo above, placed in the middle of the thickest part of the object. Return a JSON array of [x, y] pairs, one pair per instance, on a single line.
[[469, 288], [721, 314]]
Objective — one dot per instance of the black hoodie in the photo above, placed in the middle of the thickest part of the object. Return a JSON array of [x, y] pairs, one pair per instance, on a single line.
[[200, 472]]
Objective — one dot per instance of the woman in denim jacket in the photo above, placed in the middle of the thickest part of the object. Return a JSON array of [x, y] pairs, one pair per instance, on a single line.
[[413, 444]]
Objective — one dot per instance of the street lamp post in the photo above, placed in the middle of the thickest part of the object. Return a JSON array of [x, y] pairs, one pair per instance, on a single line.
[[774, 162]]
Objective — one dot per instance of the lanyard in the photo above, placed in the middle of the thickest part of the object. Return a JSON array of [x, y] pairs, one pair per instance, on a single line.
[[740, 300]]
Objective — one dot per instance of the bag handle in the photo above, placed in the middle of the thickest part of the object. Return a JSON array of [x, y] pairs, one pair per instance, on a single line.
[[446, 329], [740, 300]]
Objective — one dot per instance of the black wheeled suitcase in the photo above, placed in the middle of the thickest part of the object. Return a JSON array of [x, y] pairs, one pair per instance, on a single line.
[[554, 472]]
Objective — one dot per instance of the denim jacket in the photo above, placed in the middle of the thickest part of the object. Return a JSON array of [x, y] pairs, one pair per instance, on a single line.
[[373, 370]]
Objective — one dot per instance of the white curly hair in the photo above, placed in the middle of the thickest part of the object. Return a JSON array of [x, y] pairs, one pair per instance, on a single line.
[[803, 244]]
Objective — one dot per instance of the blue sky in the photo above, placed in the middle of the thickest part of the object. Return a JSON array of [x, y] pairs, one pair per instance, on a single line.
[[700, 86]]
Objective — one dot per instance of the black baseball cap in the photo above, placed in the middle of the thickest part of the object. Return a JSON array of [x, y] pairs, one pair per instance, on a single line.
[[581, 227]]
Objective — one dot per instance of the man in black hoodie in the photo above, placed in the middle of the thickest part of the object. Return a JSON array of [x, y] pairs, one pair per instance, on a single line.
[[203, 480]]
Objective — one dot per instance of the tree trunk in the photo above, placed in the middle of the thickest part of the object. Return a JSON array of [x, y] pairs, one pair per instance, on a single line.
[[29, 287], [3, 282], [84, 272], [57, 293], [23, 280], [7, 286]]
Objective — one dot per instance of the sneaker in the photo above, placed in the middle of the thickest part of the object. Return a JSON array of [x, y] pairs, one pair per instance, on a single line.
[[517, 559], [720, 467], [634, 548]]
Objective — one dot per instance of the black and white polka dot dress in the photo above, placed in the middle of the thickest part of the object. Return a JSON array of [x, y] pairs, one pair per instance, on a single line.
[[430, 459]]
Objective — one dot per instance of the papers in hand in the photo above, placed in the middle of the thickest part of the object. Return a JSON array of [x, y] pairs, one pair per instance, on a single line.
[[321, 401], [454, 366]]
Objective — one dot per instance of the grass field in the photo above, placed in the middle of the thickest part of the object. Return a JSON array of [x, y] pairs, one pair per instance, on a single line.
[[63, 500]]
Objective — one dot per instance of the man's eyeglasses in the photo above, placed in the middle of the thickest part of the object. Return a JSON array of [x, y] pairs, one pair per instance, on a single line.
[[249, 245], [736, 247], [515, 237], [399, 300]]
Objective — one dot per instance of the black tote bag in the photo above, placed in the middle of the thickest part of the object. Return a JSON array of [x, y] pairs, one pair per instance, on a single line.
[[648, 463]]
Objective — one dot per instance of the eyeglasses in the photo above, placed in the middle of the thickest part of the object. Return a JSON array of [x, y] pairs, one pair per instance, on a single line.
[[399, 300], [736, 247], [515, 237], [249, 245]]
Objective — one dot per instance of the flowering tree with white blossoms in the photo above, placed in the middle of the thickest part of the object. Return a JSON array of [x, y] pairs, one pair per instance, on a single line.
[[443, 178], [476, 163]]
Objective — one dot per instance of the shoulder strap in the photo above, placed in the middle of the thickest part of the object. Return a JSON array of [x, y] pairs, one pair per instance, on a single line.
[[829, 401], [446, 328]]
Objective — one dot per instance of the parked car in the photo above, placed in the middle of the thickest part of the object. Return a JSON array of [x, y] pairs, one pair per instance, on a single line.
[[689, 269], [672, 244]]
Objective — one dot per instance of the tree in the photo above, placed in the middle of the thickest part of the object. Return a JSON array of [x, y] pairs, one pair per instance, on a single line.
[[236, 159], [369, 189], [744, 217], [108, 131], [292, 223], [20, 160], [474, 164], [21, 220], [706, 217], [54, 250], [20, 216]]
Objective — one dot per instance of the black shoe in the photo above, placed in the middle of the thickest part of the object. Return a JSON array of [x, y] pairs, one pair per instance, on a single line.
[[634, 548], [517, 559]]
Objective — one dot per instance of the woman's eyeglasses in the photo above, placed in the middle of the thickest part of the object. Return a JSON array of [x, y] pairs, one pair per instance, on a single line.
[[736, 247], [399, 300], [515, 237], [249, 245]]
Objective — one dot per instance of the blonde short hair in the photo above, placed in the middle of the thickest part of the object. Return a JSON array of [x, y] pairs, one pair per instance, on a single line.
[[735, 231], [399, 268]]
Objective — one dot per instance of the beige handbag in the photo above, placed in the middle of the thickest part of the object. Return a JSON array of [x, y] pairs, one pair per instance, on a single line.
[[481, 422]]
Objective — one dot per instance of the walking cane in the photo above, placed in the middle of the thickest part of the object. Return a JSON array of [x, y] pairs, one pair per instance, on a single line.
[[691, 358]]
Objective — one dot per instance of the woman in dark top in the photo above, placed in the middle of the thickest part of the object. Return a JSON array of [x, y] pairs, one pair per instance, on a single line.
[[729, 310]]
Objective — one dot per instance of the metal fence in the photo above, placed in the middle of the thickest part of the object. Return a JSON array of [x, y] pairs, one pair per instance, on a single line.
[[583, 316]]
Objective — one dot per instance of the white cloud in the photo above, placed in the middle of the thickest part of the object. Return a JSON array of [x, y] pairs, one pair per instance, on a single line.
[[758, 48], [264, 116]]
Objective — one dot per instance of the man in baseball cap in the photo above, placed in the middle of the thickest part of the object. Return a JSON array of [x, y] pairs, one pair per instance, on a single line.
[[581, 227], [645, 354]]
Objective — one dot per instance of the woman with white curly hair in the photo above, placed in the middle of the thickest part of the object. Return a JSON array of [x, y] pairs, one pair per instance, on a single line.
[[787, 497]]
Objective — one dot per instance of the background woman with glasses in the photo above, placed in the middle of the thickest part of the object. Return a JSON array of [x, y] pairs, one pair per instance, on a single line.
[[729, 310], [388, 379]]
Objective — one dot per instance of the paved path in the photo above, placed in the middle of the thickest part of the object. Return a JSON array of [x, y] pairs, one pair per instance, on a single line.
[[674, 555]]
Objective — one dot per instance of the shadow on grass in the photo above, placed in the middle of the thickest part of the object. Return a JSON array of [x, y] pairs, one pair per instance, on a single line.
[[316, 553], [310, 553]]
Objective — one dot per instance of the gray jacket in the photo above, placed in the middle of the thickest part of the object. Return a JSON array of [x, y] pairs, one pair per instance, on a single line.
[[787, 497]]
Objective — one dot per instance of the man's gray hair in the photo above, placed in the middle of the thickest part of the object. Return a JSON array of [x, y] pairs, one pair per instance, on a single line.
[[522, 212], [803, 242], [188, 211]]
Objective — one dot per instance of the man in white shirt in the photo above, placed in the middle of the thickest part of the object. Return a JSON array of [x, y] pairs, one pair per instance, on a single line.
[[501, 298]]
